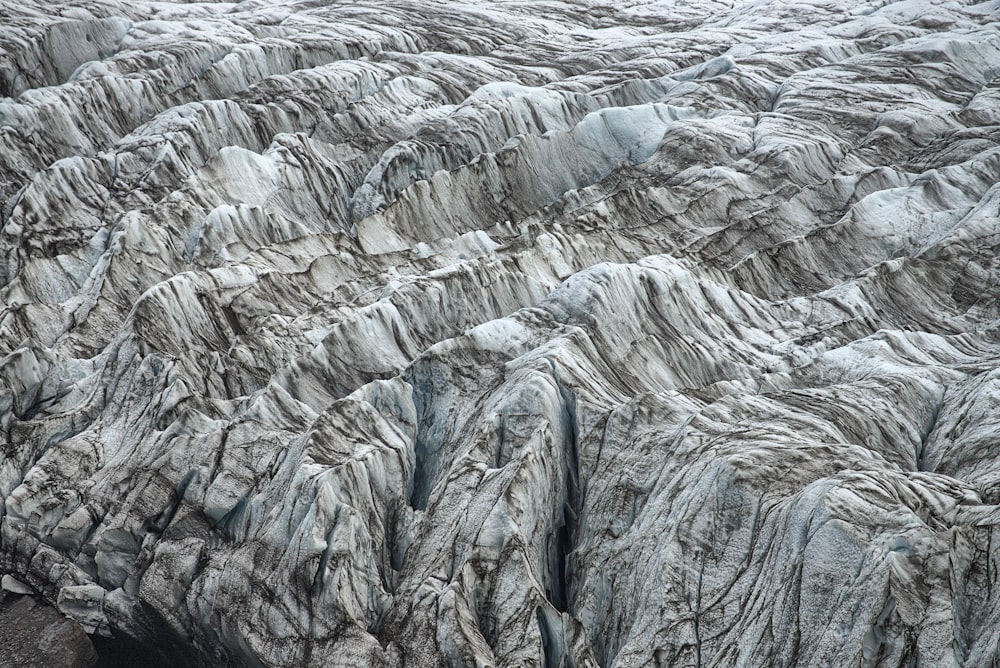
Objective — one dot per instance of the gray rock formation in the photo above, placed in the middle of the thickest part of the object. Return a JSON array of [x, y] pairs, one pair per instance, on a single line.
[[35, 635], [505, 333]]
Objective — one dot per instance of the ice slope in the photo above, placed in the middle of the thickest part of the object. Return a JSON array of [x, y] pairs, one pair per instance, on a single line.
[[450, 333]]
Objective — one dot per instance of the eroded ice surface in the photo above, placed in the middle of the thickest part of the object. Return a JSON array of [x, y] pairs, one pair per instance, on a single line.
[[505, 334]]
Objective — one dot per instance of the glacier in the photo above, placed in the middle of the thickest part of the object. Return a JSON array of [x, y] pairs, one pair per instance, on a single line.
[[454, 333]]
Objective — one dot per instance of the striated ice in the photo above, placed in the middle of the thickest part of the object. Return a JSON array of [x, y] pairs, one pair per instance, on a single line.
[[504, 334]]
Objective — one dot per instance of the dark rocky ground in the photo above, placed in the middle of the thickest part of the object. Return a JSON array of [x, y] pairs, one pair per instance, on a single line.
[[36, 635]]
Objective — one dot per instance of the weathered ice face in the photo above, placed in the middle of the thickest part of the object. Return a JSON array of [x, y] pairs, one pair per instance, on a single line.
[[504, 334]]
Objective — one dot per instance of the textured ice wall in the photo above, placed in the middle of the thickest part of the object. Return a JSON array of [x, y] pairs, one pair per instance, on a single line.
[[505, 334]]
